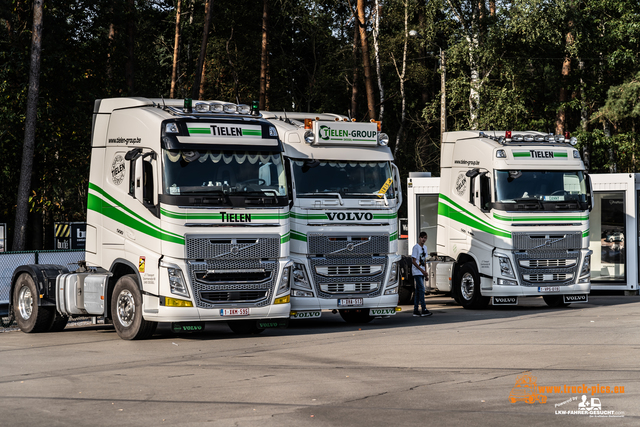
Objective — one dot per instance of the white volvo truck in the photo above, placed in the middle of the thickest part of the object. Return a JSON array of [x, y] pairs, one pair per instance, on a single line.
[[512, 219], [344, 235], [187, 222]]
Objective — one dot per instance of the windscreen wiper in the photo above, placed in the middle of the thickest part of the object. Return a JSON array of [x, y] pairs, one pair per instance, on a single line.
[[325, 194]]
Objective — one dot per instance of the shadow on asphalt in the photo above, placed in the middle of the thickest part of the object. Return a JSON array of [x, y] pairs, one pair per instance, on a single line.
[[445, 311]]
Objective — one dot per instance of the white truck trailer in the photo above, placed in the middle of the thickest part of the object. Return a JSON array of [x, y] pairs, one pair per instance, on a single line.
[[187, 222], [512, 219], [344, 235]]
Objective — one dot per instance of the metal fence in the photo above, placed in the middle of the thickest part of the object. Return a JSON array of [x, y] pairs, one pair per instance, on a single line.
[[9, 261]]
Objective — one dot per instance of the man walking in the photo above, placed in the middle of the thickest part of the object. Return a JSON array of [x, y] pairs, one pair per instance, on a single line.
[[418, 258]]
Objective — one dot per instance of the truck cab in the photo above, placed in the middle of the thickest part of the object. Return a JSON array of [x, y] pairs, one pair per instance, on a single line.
[[346, 196], [512, 219], [187, 221]]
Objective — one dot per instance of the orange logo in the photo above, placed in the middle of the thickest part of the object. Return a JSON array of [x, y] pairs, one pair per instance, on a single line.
[[526, 390]]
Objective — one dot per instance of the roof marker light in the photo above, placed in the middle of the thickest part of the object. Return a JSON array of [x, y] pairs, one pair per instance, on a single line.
[[255, 108], [501, 154], [216, 108], [309, 137], [171, 128], [308, 123], [507, 136], [202, 107]]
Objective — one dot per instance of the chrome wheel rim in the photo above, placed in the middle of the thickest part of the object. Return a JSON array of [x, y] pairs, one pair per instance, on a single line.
[[126, 308], [467, 286], [25, 302]]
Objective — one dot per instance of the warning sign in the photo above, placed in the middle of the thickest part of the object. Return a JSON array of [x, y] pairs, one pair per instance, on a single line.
[[141, 264], [62, 233]]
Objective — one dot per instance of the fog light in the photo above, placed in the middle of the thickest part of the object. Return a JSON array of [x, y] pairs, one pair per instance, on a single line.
[[174, 302], [282, 300], [391, 291], [505, 282], [299, 293]]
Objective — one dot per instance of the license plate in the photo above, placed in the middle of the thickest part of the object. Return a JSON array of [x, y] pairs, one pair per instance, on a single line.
[[234, 312], [382, 312], [568, 299], [305, 314], [350, 302], [549, 289]]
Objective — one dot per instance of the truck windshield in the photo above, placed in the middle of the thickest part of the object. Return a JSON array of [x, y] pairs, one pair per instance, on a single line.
[[349, 179], [563, 189], [213, 172]]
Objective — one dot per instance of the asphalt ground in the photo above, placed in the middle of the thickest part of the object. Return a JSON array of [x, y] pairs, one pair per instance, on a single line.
[[456, 368]]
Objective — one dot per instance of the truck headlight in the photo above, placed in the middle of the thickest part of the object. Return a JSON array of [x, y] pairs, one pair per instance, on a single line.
[[284, 282], [177, 283], [586, 266], [300, 279], [505, 266], [393, 275]]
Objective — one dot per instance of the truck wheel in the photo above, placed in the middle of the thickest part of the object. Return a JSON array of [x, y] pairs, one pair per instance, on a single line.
[[356, 316], [468, 287], [29, 316], [126, 310], [58, 322], [555, 301], [245, 327], [404, 295]]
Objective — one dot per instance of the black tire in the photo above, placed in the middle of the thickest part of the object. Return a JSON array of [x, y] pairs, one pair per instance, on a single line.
[[555, 301], [467, 287], [29, 316], [58, 322], [356, 315], [245, 327], [405, 295], [126, 310]]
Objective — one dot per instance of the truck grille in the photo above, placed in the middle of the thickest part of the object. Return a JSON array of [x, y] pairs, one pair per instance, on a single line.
[[321, 244], [544, 242], [367, 283], [541, 263], [350, 288], [556, 277], [536, 267], [217, 283], [348, 270], [232, 247]]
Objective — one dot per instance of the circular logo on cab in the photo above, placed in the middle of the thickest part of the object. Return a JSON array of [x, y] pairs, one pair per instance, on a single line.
[[117, 170], [461, 184]]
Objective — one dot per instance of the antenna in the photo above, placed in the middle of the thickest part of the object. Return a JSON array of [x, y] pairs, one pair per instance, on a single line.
[[286, 119], [164, 106]]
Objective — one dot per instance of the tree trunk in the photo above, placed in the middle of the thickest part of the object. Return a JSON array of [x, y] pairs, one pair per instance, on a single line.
[[176, 52], [443, 93], [376, 31], [28, 148], [402, 78], [202, 80], [371, 106], [264, 55], [131, 32], [203, 50], [354, 86], [561, 118]]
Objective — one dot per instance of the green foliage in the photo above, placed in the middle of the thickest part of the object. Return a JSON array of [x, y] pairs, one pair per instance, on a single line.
[[518, 53]]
